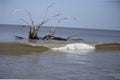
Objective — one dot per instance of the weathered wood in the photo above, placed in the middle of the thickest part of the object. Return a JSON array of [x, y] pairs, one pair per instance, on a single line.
[[50, 37], [33, 33], [34, 28], [19, 37]]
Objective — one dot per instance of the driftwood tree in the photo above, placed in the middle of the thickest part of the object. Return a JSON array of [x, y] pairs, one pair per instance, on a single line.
[[34, 29], [51, 33]]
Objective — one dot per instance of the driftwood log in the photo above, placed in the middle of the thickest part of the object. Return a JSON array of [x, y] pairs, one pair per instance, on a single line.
[[49, 37], [19, 37], [52, 37]]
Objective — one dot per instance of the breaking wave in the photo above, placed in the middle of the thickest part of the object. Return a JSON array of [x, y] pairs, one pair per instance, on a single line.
[[78, 48], [75, 47], [25, 48]]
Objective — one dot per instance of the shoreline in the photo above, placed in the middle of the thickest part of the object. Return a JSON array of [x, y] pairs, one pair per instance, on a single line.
[[46, 46]]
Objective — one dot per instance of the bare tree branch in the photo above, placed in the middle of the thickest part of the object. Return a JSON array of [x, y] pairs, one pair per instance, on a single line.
[[59, 20], [30, 17], [62, 19], [24, 21], [52, 31], [45, 21], [74, 34], [65, 19], [47, 10]]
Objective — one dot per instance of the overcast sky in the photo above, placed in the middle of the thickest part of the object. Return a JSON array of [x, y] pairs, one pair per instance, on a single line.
[[100, 14]]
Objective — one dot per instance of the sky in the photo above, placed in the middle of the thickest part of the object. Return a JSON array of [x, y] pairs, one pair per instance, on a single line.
[[95, 14]]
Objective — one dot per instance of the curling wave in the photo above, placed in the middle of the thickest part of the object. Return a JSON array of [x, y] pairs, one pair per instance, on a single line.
[[25, 48], [75, 46]]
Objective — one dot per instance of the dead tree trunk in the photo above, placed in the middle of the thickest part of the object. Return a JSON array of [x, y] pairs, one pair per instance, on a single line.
[[33, 33]]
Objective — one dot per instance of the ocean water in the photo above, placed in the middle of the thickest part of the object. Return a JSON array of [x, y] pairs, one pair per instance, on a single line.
[[7, 33], [93, 55]]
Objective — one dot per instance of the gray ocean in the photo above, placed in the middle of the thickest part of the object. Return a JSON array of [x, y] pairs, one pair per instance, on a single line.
[[92, 55]]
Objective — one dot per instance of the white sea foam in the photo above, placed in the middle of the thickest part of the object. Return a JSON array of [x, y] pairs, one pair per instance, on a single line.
[[75, 47]]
